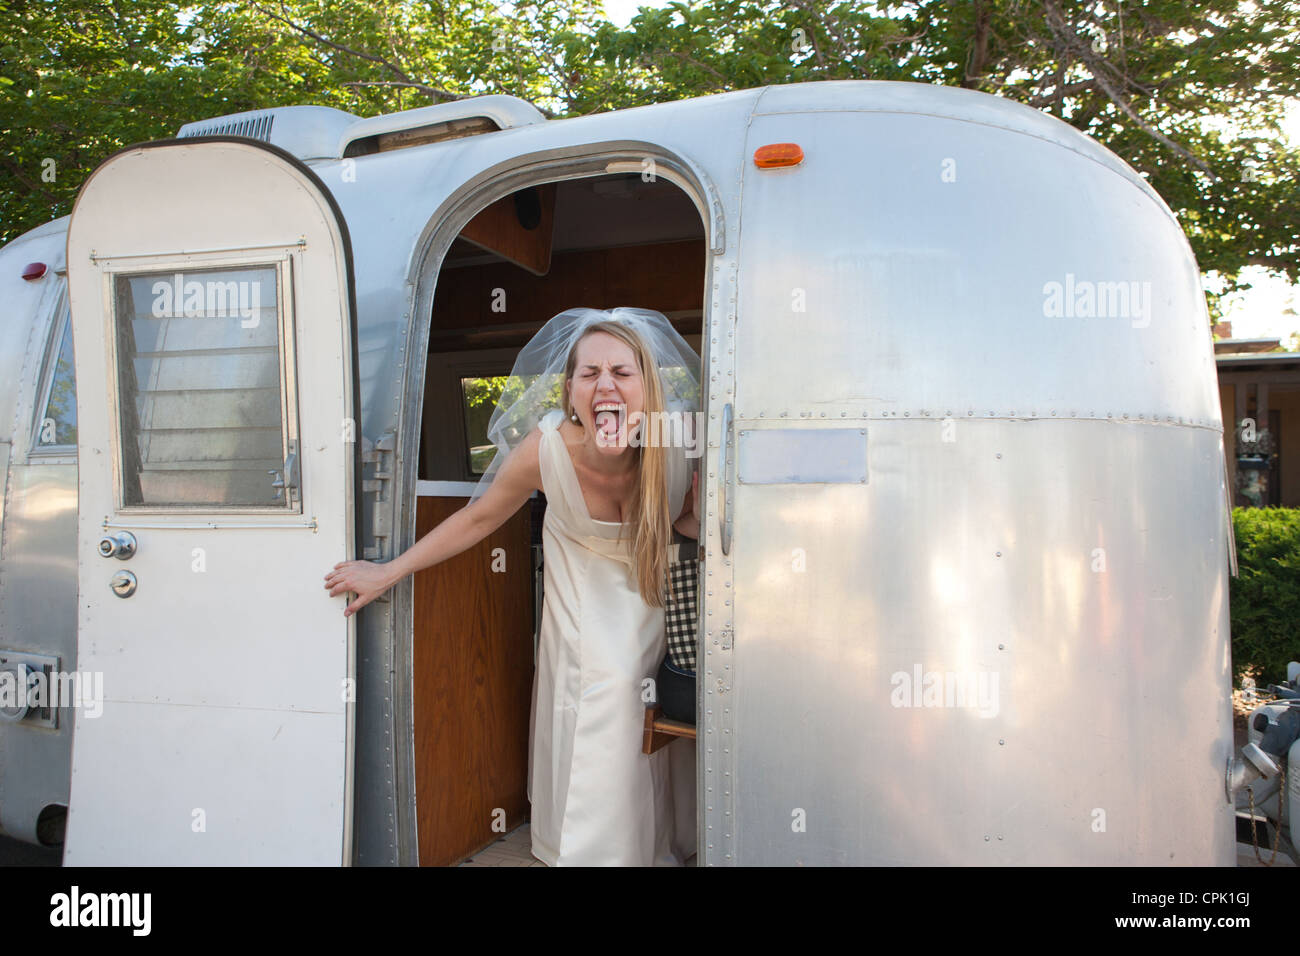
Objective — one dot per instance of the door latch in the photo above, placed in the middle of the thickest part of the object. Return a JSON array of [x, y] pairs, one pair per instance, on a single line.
[[289, 477]]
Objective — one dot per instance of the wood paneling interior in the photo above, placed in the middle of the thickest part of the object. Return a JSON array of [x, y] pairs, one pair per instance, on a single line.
[[667, 277], [497, 228], [473, 687]]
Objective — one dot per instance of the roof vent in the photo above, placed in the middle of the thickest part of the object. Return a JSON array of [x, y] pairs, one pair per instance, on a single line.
[[254, 126], [308, 132]]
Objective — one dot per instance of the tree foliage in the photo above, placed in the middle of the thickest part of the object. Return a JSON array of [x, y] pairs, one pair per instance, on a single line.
[[1188, 92]]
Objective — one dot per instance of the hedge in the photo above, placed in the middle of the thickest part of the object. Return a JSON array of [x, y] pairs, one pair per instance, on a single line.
[[1265, 596]]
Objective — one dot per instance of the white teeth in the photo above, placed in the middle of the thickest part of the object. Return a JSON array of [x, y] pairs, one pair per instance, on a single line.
[[608, 416]]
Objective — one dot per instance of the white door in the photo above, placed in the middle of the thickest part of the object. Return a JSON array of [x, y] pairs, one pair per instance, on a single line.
[[212, 312]]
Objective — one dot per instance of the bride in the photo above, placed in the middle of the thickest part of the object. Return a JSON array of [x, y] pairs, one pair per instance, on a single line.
[[615, 490]]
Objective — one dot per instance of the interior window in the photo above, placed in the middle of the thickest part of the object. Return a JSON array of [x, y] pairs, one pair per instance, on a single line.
[[479, 397], [200, 388], [58, 423]]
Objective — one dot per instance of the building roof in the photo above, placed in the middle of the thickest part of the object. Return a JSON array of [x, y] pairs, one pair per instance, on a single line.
[[1245, 345], [1257, 358]]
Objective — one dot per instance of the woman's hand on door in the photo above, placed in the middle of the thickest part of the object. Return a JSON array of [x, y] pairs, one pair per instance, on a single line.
[[365, 579]]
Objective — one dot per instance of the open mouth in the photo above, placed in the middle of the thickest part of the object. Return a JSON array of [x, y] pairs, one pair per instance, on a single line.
[[608, 417]]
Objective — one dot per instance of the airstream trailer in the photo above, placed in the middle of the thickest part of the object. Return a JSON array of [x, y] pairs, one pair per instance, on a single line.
[[964, 537]]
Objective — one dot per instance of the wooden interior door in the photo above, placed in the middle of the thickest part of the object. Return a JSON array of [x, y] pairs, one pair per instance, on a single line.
[[473, 687]]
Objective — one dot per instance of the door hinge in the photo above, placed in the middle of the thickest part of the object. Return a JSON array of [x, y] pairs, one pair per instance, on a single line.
[[378, 457]]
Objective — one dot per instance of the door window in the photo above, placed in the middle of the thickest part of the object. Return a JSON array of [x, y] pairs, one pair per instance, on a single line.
[[206, 417]]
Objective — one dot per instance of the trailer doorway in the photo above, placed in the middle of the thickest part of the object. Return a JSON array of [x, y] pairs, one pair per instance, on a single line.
[[600, 241]]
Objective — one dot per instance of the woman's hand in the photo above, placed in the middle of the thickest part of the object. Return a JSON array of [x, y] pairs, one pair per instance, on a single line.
[[365, 579], [688, 522], [516, 480]]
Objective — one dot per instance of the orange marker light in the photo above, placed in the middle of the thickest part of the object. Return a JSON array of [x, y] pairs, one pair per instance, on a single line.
[[775, 155]]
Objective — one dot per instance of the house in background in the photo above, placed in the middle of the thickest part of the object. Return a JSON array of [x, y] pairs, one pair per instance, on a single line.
[[1259, 392]]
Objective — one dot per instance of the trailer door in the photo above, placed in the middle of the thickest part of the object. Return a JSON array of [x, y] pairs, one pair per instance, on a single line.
[[212, 304]]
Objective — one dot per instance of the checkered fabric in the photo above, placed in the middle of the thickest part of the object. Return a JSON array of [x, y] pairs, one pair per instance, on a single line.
[[681, 612]]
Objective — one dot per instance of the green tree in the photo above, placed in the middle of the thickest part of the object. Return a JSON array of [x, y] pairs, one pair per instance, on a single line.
[[81, 79], [1188, 93]]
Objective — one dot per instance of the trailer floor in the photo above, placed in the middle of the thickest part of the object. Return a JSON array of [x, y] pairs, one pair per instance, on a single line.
[[514, 849]]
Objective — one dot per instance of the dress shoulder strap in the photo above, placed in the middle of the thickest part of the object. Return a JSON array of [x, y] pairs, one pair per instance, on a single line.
[[551, 420], [558, 479]]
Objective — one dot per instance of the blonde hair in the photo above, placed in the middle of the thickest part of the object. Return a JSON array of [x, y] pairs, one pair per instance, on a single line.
[[652, 527]]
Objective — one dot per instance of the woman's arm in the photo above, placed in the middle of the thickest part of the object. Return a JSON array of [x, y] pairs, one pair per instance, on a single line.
[[519, 477]]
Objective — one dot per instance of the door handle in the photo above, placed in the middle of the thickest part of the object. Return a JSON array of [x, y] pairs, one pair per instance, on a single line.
[[121, 545]]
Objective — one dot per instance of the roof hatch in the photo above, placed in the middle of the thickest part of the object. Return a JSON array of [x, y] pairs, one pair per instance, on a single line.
[[320, 132], [430, 124]]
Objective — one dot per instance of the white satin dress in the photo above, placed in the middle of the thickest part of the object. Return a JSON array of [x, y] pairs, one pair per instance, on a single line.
[[597, 800]]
